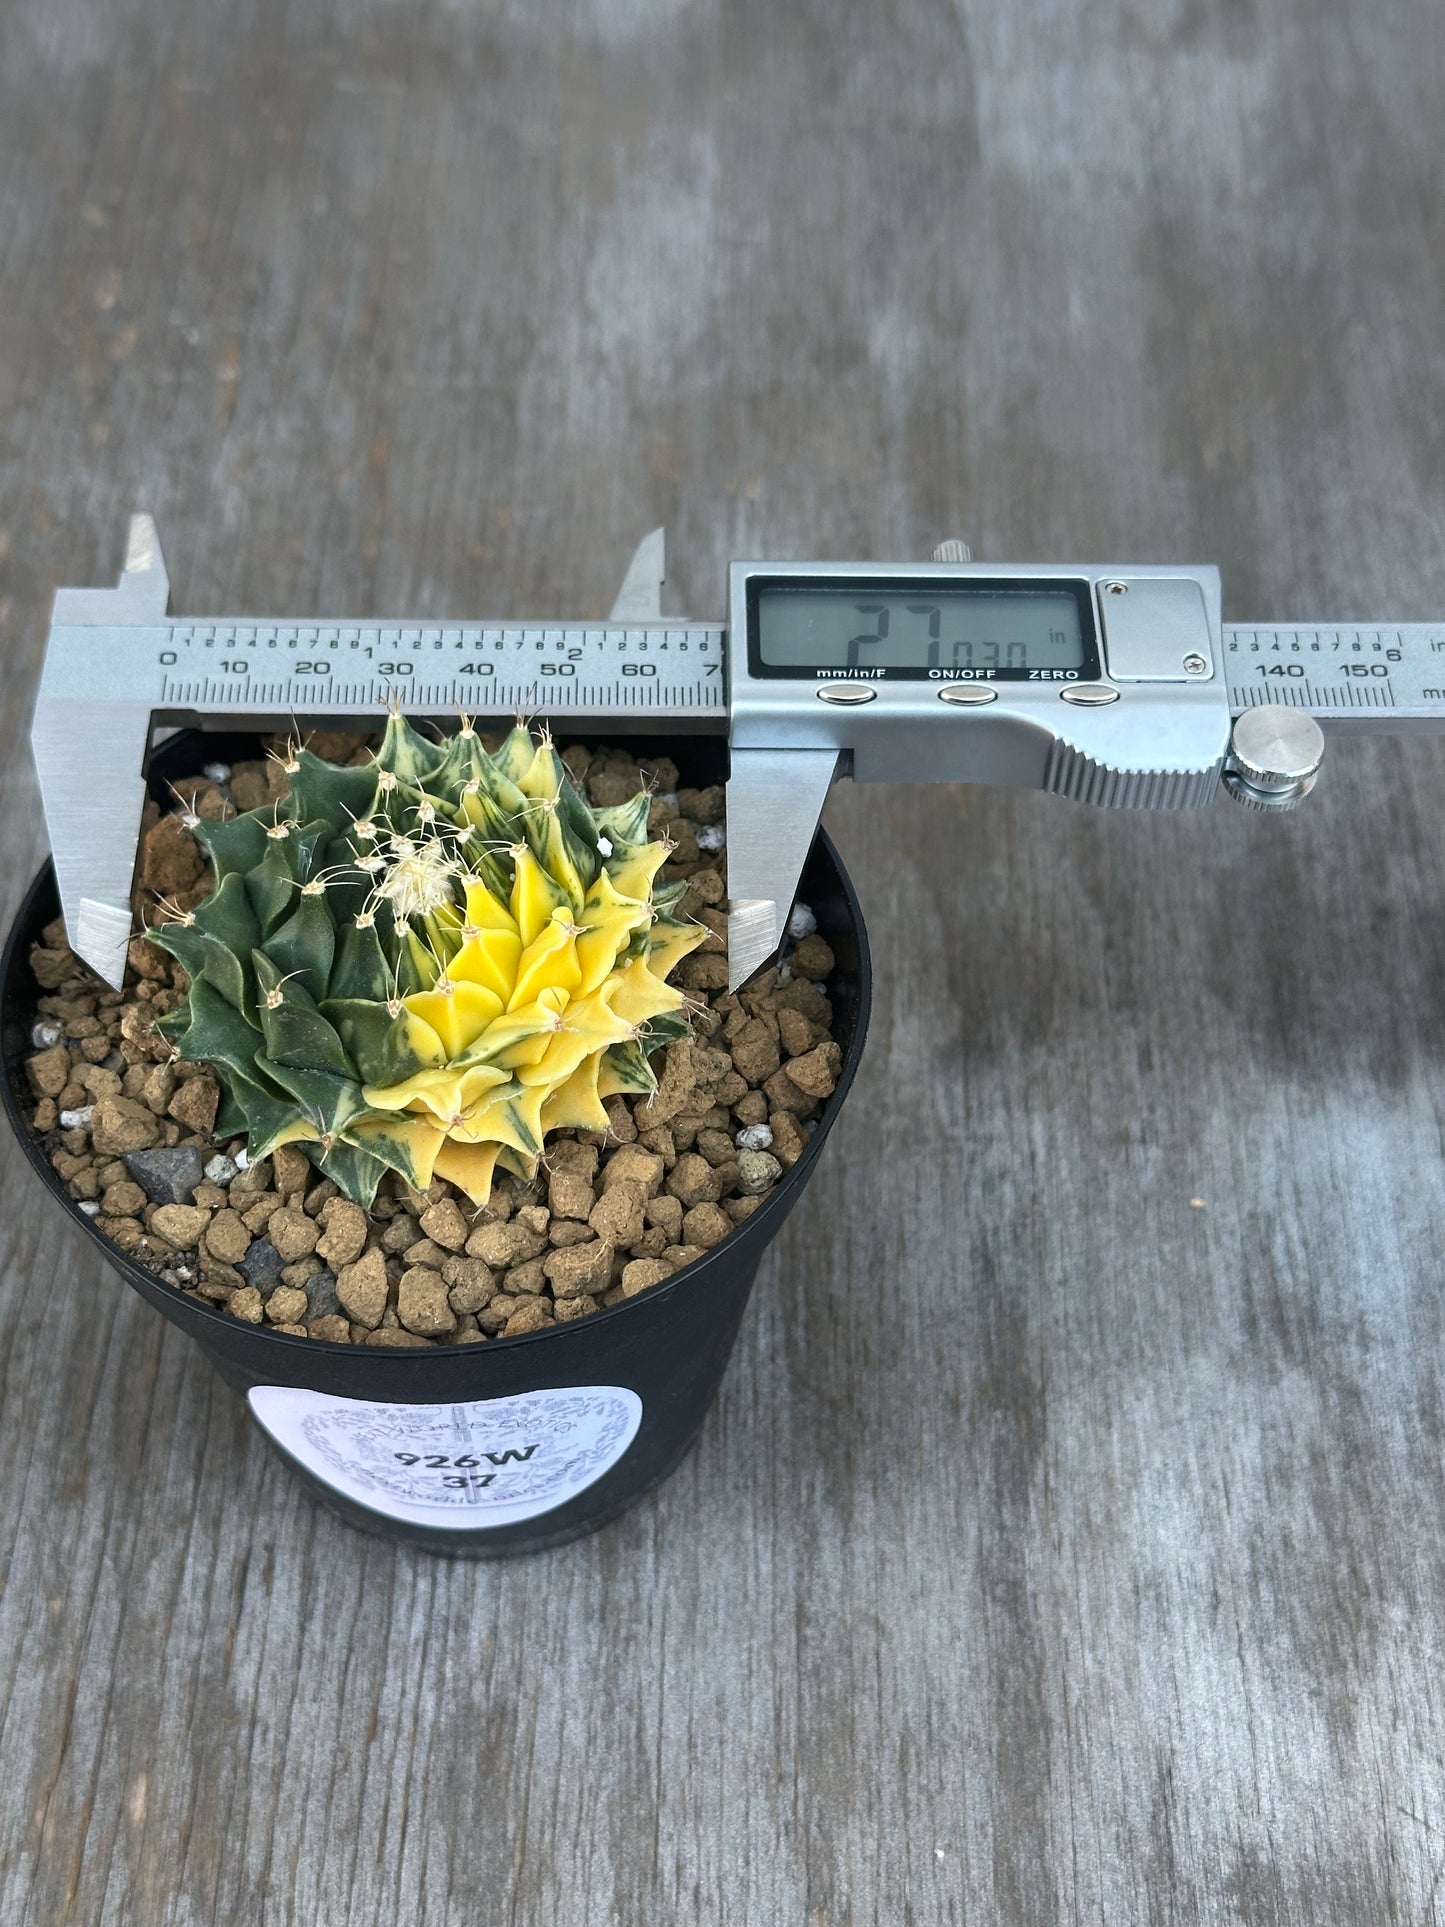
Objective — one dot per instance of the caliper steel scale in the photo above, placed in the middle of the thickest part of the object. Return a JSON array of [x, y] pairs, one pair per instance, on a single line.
[[1117, 685]]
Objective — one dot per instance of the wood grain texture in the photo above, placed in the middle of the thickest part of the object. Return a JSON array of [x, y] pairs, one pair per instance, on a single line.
[[1058, 1550]]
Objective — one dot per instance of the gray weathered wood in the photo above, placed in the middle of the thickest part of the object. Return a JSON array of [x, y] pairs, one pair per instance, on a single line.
[[1059, 1550]]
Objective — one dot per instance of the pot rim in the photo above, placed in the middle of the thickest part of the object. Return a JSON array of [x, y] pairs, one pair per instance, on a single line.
[[779, 1201]]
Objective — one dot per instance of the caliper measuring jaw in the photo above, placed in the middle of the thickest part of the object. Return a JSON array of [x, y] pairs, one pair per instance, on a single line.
[[90, 742]]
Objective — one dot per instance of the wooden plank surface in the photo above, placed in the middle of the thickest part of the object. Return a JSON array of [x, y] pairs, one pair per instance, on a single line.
[[1059, 1549]]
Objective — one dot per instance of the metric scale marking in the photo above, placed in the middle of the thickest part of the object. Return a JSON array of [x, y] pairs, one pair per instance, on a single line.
[[594, 669], [1117, 685], [1364, 677]]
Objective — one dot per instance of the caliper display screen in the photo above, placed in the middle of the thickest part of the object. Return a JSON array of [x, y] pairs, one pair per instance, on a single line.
[[984, 630]]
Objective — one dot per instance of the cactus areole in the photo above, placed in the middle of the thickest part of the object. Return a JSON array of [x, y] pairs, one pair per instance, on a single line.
[[428, 962]]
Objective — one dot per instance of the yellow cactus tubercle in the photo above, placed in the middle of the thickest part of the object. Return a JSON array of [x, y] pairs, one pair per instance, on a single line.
[[529, 994]]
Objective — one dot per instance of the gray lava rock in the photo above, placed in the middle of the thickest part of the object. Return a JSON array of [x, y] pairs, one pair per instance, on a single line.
[[262, 1267], [167, 1176], [321, 1299]]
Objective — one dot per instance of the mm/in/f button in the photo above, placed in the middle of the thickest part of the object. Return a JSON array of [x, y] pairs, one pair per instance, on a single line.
[[845, 692]]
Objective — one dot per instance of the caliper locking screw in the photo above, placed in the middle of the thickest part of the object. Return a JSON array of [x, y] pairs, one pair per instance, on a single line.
[[1274, 757]]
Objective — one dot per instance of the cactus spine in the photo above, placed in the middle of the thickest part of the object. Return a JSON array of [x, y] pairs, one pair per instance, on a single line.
[[428, 962]]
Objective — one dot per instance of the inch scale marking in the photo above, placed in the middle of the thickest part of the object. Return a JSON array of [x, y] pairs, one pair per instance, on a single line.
[[295, 699], [1115, 685]]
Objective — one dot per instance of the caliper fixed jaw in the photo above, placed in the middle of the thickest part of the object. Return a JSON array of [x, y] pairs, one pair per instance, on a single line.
[[89, 757]]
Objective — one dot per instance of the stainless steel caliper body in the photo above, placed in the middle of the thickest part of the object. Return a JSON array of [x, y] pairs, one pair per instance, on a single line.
[[1111, 684]]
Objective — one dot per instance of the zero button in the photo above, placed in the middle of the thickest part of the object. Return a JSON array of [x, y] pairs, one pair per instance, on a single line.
[[1089, 695]]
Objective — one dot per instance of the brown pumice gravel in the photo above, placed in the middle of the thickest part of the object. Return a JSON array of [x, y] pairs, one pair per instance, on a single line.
[[127, 1128]]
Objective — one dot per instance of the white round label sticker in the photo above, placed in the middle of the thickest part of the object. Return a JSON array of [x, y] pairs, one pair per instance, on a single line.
[[490, 1462]]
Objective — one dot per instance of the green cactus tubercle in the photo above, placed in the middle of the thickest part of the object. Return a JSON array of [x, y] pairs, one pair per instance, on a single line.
[[428, 962]]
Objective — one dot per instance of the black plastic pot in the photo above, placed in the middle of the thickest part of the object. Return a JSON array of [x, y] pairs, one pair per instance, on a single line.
[[513, 1444]]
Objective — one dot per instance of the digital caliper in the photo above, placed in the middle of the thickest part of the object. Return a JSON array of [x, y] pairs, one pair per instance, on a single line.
[[1112, 684]]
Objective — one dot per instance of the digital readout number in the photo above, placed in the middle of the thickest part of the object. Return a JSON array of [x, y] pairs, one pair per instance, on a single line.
[[991, 655]]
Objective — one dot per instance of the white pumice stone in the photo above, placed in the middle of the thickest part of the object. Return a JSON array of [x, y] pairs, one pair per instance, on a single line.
[[712, 836], [802, 923], [755, 1137], [241, 1160], [90, 1207], [44, 1036], [217, 772], [604, 846], [757, 1172], [77, 1120], [221, 1169]]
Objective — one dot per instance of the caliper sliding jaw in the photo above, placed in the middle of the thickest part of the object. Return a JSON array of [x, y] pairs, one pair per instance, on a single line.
[[1155, 735]]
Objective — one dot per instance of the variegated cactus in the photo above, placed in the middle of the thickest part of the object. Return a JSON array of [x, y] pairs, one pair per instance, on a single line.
[[428, 962]]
